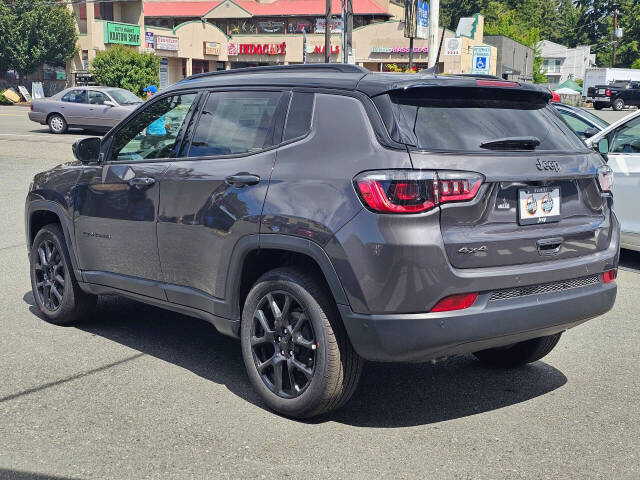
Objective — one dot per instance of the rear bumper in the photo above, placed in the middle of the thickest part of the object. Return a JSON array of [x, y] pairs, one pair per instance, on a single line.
[[486, 324], [600, 99], [38, 117]]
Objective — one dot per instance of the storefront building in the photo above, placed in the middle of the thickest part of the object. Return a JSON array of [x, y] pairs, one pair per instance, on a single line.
[[196, 37]]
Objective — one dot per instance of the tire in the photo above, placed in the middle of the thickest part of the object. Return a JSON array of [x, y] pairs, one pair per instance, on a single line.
[[618, 104], [519, 353], [51, 271], [332, 368], [57, 124], [597, 106]]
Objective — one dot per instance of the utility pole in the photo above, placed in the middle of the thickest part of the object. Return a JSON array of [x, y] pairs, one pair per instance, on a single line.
[[434, 22], [327, 33], [615, 27], [344, 31]]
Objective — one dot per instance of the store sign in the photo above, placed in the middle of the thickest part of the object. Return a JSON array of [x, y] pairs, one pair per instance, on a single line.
[[399, 49], [416, 14], [122, 33], [336, 25], [211, 48], [299, 26], [335, 49], [148, 39], [480, 61], [453, 46], [167, 43], [257, 49]]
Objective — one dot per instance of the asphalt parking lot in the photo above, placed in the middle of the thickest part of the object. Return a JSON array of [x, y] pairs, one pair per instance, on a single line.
[[138, 392]]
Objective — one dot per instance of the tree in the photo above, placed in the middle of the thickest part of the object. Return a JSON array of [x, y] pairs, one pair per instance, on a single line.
[[6, 27], [39, 33], [124, 67], [636, 64]]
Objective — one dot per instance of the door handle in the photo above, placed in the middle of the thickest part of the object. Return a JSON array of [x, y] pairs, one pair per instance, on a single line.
[[142, 182], [242, 179]]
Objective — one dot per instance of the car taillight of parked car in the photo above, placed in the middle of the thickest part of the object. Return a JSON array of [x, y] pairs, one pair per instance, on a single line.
[[607, 92], [605, 178], [610, 275], [414, 191]]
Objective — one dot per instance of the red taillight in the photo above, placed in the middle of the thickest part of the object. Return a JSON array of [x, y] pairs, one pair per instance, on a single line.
[[610, 275], [496, 83], [607, 92], [414, 191], [455, 302]]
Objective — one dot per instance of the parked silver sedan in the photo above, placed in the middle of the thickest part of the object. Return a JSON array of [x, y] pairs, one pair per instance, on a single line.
[[91, 108]]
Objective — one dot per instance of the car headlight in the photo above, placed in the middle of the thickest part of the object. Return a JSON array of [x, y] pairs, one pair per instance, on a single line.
[[605, 178]]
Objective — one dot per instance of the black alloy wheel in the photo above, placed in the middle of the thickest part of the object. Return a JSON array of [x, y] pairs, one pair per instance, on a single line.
[[50, 275], [283, 344]]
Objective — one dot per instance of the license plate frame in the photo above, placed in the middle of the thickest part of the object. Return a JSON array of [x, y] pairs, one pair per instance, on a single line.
[[539, 205]]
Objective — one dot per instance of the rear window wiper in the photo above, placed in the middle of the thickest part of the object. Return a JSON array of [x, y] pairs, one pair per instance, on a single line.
[[512, 143]]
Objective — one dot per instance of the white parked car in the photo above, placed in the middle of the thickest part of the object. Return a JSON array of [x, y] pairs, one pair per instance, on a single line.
[[620, 142]]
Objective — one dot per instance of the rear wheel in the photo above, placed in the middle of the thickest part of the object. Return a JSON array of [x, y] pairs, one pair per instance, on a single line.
[[618, 104], [55, 289], [57, 123], [519, 353], [296, 350]]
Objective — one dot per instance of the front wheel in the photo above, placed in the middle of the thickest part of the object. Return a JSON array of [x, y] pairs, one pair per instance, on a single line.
[[519, 353], [295, 348], [55, 289]]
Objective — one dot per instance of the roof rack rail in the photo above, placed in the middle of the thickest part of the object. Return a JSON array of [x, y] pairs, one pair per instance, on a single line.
[[336, 67]]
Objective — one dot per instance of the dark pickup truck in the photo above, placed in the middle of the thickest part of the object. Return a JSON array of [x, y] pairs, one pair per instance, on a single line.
[[617, 95]]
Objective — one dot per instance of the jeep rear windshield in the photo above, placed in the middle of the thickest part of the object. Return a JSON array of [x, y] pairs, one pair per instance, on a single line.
[[476, 120]]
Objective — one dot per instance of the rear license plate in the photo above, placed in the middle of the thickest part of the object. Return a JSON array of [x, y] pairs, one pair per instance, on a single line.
[[601, 91], [538, 205]]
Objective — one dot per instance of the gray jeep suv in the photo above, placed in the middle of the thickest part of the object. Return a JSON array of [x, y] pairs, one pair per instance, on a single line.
[[325, 215]]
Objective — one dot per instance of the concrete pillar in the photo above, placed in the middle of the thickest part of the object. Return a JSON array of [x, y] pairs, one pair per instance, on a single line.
[[227, 65], [189, 67]]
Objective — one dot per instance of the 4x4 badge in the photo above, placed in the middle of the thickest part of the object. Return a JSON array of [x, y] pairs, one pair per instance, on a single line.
[[548, 165], [483, 248]]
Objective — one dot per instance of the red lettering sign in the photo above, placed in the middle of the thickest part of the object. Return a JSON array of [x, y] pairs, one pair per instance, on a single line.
[[263, 49]]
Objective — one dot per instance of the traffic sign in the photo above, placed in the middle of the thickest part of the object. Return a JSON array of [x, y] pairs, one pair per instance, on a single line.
[[481, 61]]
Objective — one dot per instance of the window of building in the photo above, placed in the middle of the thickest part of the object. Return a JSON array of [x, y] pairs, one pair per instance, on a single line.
[[552, 65], [236, 123], [200, 66], [103, 10]]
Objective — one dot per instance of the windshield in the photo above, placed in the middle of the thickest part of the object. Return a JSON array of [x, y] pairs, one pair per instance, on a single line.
[[456, 119], [123, 97]]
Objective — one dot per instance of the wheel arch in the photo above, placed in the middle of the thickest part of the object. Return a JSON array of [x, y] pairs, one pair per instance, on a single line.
[[45, 212], [257, 254]]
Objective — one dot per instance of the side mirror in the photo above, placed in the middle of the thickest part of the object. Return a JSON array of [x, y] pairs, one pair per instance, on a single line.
[[87, 150], [590, 132], [109, 103]]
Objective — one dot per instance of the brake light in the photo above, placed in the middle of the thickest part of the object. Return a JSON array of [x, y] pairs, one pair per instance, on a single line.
[[455, 302], [414, 191], [610, 275], [607, 92], [496, 83], [605, 178]]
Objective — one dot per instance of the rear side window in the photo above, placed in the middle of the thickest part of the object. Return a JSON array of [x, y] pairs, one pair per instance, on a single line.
[[299, 116], [234, 123], [457, 119], [75, 96]]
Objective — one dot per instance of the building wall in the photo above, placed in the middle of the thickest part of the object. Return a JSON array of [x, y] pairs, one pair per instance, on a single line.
[[512, 56], [574, 60]]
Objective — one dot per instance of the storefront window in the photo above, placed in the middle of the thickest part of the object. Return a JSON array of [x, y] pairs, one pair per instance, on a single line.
[[242, 26], [267, 25], [295, 25], [221, 24], [200, 66], [103, 10], [158, 22]]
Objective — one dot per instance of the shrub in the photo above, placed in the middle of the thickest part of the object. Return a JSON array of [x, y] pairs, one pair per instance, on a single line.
[[124, 67]]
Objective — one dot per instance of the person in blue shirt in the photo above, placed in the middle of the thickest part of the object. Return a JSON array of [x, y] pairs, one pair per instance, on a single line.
[[157, 127]]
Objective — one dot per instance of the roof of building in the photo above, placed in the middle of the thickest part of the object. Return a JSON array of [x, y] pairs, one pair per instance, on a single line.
[[275, 9]]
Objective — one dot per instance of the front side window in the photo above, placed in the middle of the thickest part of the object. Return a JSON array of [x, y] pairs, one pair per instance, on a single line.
[[97, 98], [626, 139], [152, 133], [75, 96], [234, 123], [123, 97]]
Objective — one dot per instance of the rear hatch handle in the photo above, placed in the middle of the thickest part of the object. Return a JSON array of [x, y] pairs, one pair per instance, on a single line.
[[549, 246]]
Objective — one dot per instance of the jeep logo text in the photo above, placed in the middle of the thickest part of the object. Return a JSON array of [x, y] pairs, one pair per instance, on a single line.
[[548, 165]]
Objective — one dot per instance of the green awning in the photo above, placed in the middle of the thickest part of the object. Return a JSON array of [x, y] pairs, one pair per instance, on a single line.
[[569, 84]]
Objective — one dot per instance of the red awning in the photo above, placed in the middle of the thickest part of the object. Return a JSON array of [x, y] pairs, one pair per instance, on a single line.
[[277, 8]]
